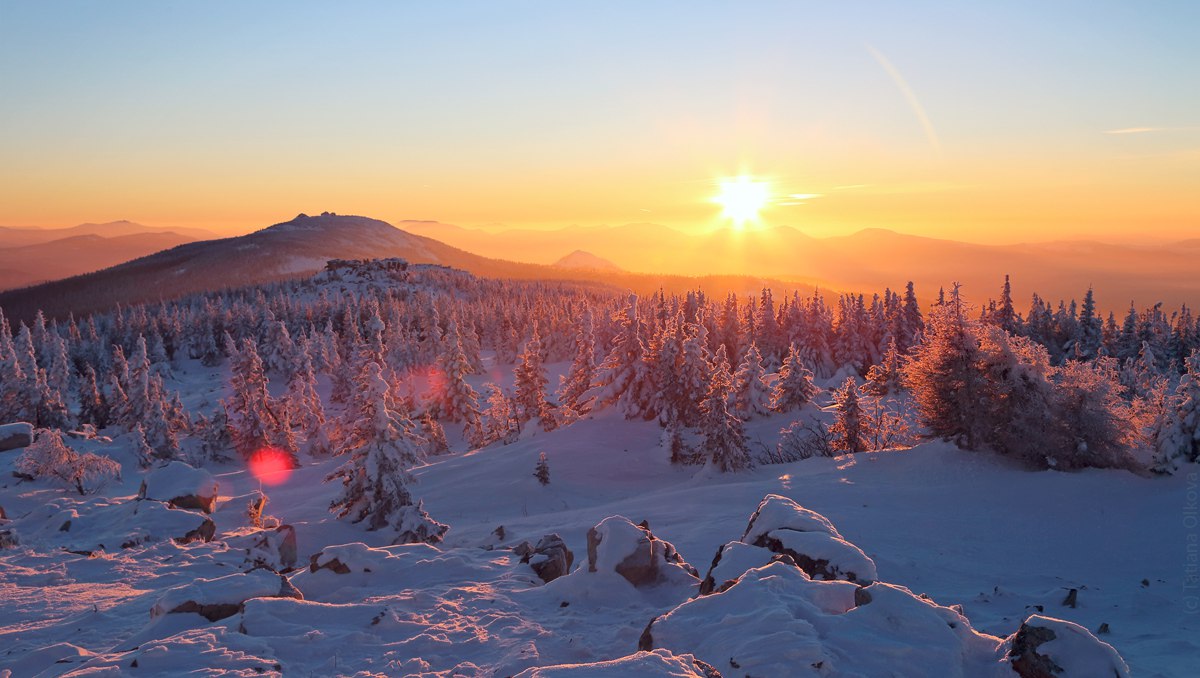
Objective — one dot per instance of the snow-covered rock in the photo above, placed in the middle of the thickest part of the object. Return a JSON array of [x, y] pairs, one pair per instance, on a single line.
[[223, 597], [776, 621], [9, 539], [88, 527], [783, 526], [550, 559], [733, 560], [182, 486], [15, 436], [1052, 648], [656, 663], [632, 551], [274, 549]]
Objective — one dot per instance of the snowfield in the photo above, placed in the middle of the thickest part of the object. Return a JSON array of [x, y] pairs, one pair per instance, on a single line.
[[965, 529]]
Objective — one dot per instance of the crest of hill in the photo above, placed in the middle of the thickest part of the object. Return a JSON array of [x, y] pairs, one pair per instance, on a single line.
[[301, 247], [586, 260]]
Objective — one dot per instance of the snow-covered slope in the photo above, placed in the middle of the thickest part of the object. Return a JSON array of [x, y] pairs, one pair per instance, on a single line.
[[966, 529]]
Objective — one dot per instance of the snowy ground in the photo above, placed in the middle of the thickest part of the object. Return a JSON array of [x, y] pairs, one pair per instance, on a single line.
[[964, 528]]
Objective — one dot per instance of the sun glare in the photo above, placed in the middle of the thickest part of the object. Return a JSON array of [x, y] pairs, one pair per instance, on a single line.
[[742, 198]]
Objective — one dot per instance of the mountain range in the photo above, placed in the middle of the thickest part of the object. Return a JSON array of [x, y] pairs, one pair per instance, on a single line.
[[739, 261], [298, 247], [869, 260], [32, 255]]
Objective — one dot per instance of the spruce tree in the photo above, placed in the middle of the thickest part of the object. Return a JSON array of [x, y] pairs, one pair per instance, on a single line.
[[375, 477], [542, 470], [848, 431], [724, 435], [794, 387], [751, 397], [1176, 433]]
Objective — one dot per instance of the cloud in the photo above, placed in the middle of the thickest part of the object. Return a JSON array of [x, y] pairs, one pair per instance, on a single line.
[[1133, 130], [1146, 130], [798, 199], [910, 96]]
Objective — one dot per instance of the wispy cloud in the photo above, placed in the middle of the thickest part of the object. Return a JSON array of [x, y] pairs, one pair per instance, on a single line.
[[909, 96], [1147, 130], [798, 199]]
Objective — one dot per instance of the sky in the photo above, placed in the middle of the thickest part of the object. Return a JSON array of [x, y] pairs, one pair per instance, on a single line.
[[984, 122]]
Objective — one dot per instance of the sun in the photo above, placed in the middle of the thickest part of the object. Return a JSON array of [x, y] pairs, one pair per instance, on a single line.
[[742, 198]]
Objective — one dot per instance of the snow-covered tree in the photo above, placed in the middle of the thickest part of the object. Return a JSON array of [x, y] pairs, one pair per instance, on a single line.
[[724, 436], [1177, 432], [578, 378], [48, 457], [542, 470], [254, 420], [884, 378], [945, 384], [751, 396], [794, 388], [848, 430], [529, 397], [375, 477], [622, 379], [452, 397]]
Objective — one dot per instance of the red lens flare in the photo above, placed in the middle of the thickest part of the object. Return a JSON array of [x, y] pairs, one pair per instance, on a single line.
[[270, 466]]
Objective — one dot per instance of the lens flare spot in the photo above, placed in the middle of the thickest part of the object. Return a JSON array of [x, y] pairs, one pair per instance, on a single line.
[[271, 466]]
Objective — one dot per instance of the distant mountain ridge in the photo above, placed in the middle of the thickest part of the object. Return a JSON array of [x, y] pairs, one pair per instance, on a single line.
[[22, 236], [298, 247], [587, 261], [29, 256], [868, 260]]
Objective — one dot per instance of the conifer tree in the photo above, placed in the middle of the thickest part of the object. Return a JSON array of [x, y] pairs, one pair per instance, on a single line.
[[529, 398], [542, 470], [942, 377], [794, 388], [724, 435], [452, 397], [848, 430], [579, 376], [622, 379], [1176, 433], [375, 477], [751, 397]]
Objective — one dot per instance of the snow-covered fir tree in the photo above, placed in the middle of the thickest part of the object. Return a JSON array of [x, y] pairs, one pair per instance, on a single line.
[[794, 387], [751, 396], [375, 476], [1176, 436], [848, 430], [724, 436]]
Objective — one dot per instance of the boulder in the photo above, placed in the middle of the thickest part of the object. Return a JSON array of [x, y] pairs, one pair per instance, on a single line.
[[1044, 647], [15, 436], [776, 621], [550, 559], [127, 524], [216, 599], [274, 549], [182, 486], [782, 526], [633, 552], [9, 539]]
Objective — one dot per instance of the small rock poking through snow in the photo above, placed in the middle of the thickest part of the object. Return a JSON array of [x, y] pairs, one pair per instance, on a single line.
[[550, 559]]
